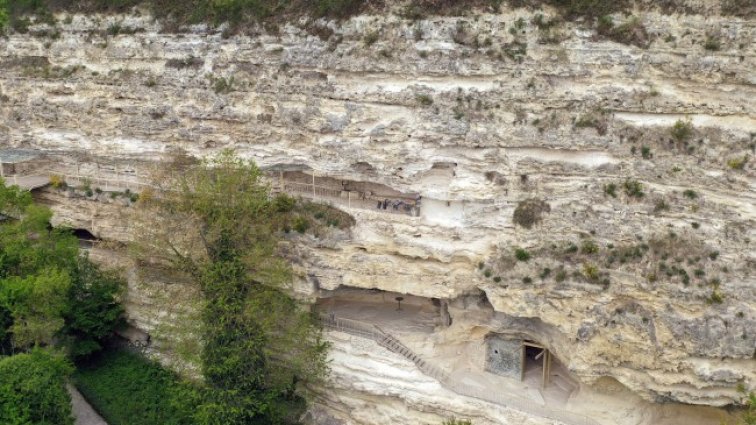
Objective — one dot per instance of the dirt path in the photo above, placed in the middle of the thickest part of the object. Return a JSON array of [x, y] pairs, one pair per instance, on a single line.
[[82, 411]]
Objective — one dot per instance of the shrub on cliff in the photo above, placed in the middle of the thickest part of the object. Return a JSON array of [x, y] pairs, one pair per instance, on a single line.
[[521, 254], [681, 131], [633, 188], [530, 212], [630, 32]]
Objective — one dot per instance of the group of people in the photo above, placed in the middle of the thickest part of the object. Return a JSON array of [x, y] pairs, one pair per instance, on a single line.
[[396, 205]]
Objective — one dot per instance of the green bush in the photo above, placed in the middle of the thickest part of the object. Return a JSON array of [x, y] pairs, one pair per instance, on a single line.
[[712, 43], [715, 298], [530, 212], [611, 190], [682, 131], [660, 205], [633, 188], [737, 163], [424, 100], [631, 32], [589, 247], [127, 389], [284, 203], [690, 194], [596, 119], [590, 271], [521, 254], [561, 275], [32, 389], [301, 224], [370, 38], [222, 85]]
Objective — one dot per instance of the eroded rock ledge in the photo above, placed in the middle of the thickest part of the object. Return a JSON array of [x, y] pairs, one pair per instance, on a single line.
[[473, 128]]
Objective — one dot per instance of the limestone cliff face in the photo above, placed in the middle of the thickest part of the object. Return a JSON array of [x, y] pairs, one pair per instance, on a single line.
[[476, 114]]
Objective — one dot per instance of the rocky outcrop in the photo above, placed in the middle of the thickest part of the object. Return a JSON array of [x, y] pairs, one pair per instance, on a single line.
[[476, 114]]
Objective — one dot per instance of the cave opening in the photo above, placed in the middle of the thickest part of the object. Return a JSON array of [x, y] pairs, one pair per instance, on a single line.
[[86, 239], [391, 311], [536, 360]]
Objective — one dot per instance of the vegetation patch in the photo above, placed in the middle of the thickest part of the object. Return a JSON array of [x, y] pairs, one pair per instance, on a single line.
[[712, 43], [51, 72], [633, 188], [127, 389], [530, 212], [521, 254], [424, 100], [51, 297], [738, 163], [681, 131], [32, 388], [631, 31], [744, 8], [187, 62], [611, 189], [595, 119]]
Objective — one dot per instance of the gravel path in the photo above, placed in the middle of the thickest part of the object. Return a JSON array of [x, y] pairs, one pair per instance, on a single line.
[[82, 411]]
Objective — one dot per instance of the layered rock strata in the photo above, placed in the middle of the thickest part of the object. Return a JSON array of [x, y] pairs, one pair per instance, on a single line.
[[475, 114]]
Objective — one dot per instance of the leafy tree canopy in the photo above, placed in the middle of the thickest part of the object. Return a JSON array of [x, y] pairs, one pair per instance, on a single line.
[[32, 389], [49, 292], [220, 228]]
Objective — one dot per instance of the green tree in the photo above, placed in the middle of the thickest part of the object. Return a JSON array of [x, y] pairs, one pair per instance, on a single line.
[[220, 229], [36, 304], [92, 310], [47, 291], [32, 389]]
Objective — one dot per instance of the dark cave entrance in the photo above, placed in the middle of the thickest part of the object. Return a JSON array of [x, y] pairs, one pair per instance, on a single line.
[[536, 359], [86, 239]]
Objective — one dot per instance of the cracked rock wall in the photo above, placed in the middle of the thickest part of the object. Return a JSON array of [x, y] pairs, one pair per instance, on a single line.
[[476, 114]]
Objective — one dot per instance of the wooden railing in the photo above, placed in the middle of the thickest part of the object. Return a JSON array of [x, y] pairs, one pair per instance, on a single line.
[[350, 199], [104, 183], [386, 340]]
